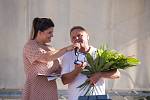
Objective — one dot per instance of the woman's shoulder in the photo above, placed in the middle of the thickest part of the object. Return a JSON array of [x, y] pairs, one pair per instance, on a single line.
[[30, 44], [51, 48]]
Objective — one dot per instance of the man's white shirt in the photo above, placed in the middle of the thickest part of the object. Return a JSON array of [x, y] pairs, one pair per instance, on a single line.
[[68, 66]]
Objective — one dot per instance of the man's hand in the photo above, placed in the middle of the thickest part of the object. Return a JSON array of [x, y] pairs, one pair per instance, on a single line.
[[94, 78], [80, 66]]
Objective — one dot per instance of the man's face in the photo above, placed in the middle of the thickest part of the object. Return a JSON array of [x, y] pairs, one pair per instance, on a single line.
[[79, 36]]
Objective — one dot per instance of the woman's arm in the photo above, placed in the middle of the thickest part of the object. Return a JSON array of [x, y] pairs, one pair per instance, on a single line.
[[53, 55]]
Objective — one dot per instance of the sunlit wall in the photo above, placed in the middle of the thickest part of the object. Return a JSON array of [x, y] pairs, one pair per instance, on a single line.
[[123, 24]]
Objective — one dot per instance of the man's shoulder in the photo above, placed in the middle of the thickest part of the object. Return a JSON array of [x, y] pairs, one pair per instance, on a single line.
[[93, 49], [69, 53]]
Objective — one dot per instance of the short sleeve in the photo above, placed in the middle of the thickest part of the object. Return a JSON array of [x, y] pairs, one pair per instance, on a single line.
[[33, 52], [65, 64]]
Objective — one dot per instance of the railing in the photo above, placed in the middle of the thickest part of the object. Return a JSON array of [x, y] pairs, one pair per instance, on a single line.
[[127, 95], [10, 94], [16, 94]]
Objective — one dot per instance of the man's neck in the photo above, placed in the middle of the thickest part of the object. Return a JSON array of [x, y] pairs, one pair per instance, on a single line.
[[85, 49]]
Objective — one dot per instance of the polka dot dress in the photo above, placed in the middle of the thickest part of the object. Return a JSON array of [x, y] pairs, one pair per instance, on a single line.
[[38, 87]]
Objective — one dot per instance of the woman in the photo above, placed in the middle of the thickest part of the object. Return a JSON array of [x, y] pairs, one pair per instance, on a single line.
[[40, 58]]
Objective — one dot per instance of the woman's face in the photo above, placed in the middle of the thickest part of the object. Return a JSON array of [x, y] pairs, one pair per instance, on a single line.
[[47, 35]]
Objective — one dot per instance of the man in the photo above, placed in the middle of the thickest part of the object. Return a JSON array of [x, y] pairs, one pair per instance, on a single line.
[[73, 63]]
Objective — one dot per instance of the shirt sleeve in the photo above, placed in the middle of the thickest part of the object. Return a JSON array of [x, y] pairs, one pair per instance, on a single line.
[[65, 64], [33, 52]]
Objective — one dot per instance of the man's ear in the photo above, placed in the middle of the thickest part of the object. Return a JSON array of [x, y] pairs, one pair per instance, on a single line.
[[88, 37]]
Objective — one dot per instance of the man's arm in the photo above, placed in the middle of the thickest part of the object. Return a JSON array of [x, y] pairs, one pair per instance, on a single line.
[[69, 77], [112, 74]]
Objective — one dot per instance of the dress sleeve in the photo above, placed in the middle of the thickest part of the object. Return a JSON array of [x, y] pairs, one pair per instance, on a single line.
[[33, 52]]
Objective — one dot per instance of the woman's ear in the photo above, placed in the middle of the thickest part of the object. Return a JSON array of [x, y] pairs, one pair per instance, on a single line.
[[40, 32]]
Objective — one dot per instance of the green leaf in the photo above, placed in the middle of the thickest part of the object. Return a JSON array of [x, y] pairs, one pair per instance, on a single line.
[[108, 65], [105, 60], [96, 61], [87, 73], [100, 51], [88, 68], [133, 61], [103, 47], [90, 59], [99, 62]]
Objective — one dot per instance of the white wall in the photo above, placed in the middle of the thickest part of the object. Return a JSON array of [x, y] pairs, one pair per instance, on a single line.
[[12, 37], [123, 24]]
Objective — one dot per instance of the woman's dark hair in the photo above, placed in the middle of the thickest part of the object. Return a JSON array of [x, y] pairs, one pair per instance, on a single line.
[[40, 24], [77, 27]]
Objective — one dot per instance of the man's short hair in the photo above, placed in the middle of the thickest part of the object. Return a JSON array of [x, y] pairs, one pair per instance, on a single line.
[[77, 27]]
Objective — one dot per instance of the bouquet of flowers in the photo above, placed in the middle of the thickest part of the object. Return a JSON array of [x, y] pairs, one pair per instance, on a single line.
[[105, 60]]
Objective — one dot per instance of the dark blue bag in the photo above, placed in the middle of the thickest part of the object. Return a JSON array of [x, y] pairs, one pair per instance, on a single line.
[[94, 97]]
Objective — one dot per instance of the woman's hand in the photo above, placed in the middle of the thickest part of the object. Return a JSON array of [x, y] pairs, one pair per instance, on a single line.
[[72, 47]]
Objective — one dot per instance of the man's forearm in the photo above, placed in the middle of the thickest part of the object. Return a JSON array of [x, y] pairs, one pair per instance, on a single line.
[[69, 77], [113, 74]]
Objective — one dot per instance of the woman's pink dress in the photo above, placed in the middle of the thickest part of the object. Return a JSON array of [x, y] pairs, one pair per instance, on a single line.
[[38, 87]]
